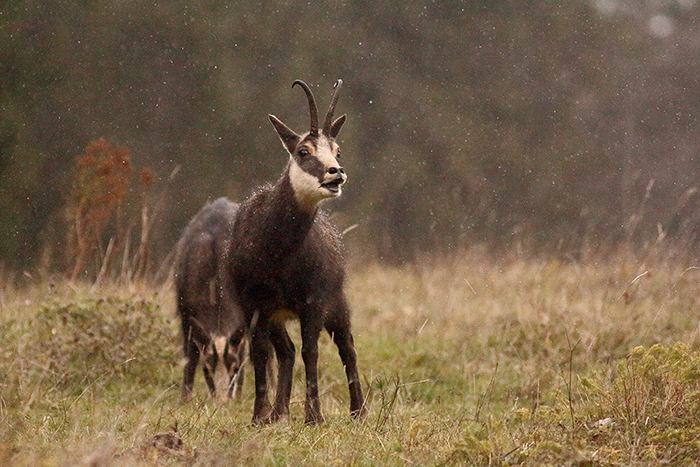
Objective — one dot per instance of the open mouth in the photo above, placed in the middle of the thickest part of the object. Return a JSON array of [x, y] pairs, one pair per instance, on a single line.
[[333, 186]]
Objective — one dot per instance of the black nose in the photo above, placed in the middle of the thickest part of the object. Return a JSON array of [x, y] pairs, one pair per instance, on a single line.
[[335, 170]]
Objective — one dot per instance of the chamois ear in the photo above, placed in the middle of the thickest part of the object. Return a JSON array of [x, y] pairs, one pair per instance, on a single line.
[[289, 138], [335, 127]]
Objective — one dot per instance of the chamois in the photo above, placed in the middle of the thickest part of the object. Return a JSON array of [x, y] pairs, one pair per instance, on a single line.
[[213, 335], [283, 260]]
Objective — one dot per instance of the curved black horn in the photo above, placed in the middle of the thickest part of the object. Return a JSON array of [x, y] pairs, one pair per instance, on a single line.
[[331, 109], [313, 111]]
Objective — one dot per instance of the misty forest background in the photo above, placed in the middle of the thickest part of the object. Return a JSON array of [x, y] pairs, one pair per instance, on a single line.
[[551, 127]]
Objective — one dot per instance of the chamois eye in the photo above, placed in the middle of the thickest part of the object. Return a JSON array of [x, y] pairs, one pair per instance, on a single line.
[[303, 152], [338, 154]]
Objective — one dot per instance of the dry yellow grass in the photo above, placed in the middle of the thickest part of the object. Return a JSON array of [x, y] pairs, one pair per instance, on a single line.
[[465, 361]]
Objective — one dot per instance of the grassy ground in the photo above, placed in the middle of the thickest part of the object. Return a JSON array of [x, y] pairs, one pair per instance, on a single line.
[[468, 363]]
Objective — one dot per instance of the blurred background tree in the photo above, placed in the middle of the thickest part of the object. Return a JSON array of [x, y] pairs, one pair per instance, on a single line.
[[536, 125]]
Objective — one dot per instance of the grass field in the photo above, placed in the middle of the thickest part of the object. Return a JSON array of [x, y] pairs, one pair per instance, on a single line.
[[471, 362]]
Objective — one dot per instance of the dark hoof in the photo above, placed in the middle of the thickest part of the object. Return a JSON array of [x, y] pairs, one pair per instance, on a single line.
[[261, 421], [279, 417], [314, 419], [262, 416], [359, 414]]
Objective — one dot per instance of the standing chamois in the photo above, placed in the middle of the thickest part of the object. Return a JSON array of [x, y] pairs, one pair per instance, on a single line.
[[213, 335], [283, 260]]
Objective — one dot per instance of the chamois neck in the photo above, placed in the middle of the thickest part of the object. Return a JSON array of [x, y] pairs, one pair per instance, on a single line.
[[279, 221]]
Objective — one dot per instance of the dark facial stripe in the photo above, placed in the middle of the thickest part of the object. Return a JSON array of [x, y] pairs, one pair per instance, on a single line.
[[312, 166], [310, 163]]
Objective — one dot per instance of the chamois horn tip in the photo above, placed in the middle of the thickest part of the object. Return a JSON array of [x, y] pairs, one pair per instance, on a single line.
[[329, 115]]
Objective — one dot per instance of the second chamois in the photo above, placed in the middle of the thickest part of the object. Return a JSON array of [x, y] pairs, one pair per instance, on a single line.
[[213, 336]]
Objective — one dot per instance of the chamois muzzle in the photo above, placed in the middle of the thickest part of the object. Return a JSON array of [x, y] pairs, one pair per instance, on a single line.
[[333, 180]]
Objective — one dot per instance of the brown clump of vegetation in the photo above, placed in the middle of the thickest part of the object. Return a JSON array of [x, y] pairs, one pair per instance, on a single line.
[[100, 213], [100, 187]]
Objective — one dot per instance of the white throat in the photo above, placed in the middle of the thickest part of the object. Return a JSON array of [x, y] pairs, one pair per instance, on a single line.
[[307, 189]]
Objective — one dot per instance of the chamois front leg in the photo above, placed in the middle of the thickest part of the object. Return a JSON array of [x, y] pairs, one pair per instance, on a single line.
[[285, 351], [209, 378], [310, 331], [192, 354], [259, 355]]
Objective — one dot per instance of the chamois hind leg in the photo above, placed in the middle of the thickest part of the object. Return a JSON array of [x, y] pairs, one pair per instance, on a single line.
[[310, 331], [259, 355], [338, 326], [346, 350], [285, 352]]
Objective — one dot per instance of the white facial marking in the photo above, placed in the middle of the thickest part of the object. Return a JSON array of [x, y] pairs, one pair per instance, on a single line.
[[308, 190], [221, 376], [325, 154], [220, 346], [306, 187]]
